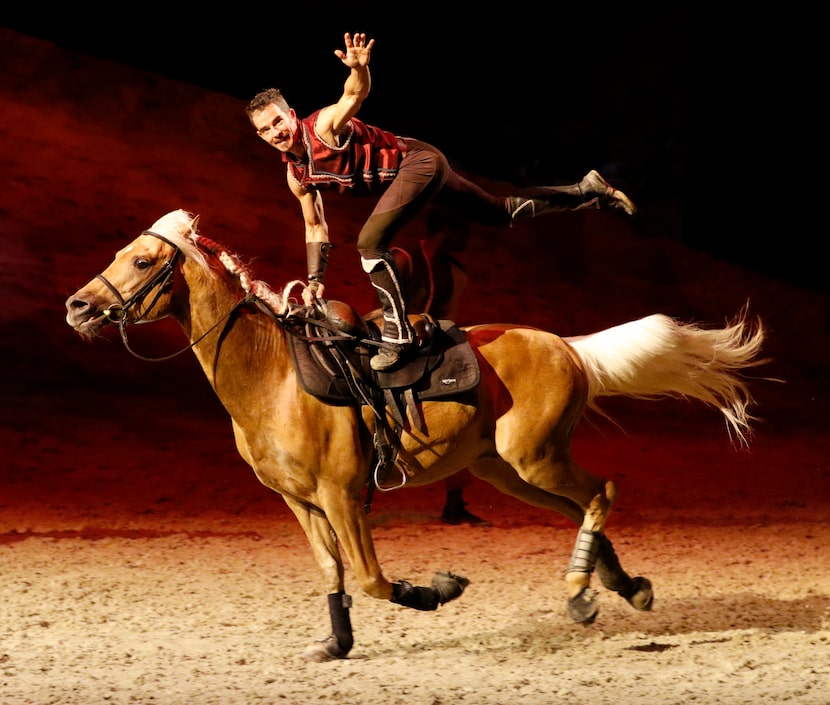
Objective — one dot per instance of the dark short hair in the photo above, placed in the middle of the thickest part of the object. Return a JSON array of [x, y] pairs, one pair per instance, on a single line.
[[265, 98]]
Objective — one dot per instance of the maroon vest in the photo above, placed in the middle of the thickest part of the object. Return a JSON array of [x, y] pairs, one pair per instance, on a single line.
[[365, 163]]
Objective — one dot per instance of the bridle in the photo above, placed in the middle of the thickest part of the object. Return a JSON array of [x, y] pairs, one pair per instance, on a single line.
[[161, 280]]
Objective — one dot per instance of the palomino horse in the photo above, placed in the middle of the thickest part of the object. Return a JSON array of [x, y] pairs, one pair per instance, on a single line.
[[511, 429]]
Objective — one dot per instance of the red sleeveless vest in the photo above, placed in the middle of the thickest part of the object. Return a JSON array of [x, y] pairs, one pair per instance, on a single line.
[[365, 163]]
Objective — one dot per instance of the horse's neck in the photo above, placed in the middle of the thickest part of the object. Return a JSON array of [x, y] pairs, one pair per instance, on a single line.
[[232, 339]]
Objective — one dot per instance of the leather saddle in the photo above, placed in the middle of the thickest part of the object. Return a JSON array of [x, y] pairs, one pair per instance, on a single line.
[[331, 355]]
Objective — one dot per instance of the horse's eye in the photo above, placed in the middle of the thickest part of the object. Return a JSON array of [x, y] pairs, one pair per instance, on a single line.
[[141, 264]]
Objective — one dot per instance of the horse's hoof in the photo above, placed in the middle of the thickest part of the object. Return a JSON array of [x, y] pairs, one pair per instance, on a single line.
[[583, 607], [449, 585], [639, 594], [324, 650]]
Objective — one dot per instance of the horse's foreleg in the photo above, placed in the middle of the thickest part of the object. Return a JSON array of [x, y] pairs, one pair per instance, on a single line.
[[323, 543], [355, 535], [445, 587]]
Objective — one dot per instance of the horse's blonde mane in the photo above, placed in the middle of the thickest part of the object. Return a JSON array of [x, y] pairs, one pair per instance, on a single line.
[[181, 228]]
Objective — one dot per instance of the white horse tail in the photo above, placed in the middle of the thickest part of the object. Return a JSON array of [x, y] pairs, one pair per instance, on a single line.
[[658, 356]]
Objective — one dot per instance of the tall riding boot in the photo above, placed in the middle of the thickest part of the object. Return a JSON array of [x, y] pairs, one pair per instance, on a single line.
[[592, 192], [397, 332]]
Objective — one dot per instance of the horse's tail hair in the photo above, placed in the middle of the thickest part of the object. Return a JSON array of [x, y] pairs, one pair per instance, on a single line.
[[658, 356]]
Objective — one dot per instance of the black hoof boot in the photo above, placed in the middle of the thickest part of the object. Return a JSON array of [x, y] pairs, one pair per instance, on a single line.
[[583, 608], [639, 594]]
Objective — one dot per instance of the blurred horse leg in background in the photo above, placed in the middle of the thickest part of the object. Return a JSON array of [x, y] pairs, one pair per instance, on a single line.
[[434, 280]]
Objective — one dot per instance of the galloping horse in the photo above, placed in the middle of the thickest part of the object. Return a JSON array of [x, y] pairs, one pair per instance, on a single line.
[[513, 428]]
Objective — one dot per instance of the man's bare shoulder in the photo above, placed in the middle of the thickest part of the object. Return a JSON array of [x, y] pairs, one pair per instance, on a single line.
[[326, 124]]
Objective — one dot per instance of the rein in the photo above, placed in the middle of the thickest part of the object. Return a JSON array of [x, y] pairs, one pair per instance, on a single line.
[[161, 281]]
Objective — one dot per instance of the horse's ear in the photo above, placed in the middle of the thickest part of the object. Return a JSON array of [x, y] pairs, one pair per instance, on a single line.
[[194, 224]]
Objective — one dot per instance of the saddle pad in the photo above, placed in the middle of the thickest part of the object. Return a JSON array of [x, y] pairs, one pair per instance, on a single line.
[[324, 382], [458, 368]]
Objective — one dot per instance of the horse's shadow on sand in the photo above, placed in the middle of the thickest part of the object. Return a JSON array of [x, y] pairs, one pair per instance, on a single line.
[[723, 613], [712, 619]]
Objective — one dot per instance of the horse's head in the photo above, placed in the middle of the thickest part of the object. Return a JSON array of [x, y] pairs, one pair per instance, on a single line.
[[136, 285]]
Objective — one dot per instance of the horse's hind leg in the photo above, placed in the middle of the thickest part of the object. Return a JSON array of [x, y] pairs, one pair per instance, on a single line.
[[563, 486], [582, 599], [637, 591], [593, 549]]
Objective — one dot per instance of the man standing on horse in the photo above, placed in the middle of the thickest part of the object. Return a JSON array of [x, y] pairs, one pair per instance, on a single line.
[[332, 149]]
